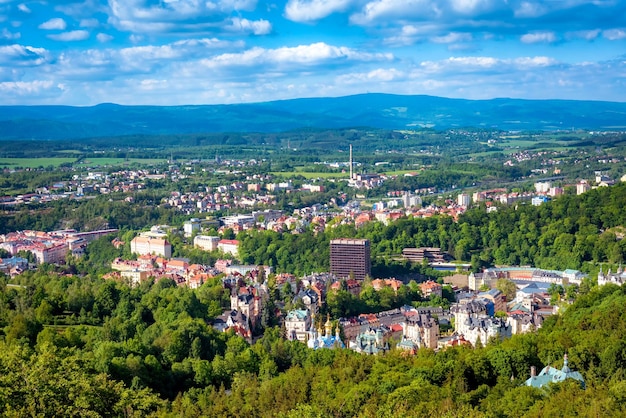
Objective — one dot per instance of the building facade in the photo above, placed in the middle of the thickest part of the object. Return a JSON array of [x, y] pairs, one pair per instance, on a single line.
[[350, 257]]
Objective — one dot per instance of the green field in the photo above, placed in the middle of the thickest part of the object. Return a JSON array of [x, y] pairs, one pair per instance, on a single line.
[[310, 175], [91, 162], [34, 162]]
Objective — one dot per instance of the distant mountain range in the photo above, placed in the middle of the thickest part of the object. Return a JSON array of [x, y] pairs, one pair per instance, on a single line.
[[384, 111]]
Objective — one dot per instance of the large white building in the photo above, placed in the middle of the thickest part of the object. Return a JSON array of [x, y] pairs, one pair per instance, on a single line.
[[463, 200], [229, 246], [471, 321], [422, 330], [191, 226], [207, 243], [147, 245]]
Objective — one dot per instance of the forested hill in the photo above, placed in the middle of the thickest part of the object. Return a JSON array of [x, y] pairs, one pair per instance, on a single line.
[[150, 352], [383, 111]]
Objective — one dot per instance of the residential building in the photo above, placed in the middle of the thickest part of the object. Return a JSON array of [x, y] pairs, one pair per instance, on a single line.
[[298, 324], [472, 321], [431, 254], [228, 246], [582, 187], [147, 245], [431, 288], [422, 330], [618, 278], [191, 226], [350, 257], [463, 200], [205, 242]]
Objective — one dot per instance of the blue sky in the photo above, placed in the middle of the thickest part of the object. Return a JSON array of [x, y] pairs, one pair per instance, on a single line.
[[169, 52]]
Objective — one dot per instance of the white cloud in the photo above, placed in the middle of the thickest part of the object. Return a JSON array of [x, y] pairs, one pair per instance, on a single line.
[[89, 23], [530, 10], [79, 10], [410, 34], [54, 24], [142, 53], [452, 37], [480, 64], [303, 54], [25, 87], [535, 37], [384, 9], [614, 34], [153, 84], [178, 15], [257, 27], [211, 43], [470, 6], [588, 35], [534, 61], [23, 55], [6, 34], [310, 10], [74, 35], [103, 37], [23, 8]]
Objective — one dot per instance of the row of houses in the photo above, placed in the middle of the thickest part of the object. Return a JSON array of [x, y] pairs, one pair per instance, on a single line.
[[50, 247]]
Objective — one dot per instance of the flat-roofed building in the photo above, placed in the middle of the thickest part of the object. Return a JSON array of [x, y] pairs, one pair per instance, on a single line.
[[350, 257], [147, 245], [206, 242]]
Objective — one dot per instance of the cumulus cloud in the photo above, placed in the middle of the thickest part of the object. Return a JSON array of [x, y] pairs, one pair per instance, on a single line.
[[312, 54], [452, 37], [614, 34], [409, 34], [21, 55], [25, 87], [89, 23], [535, 37], [376, 10], [103, 37], [311, 10], [530, 9], [23, 8], [474, 64], [384, 75], [588, 35], [6, 34], [54, 24], [83, 9], [74, 35], [472, 6], [256, 27], [174, 16]]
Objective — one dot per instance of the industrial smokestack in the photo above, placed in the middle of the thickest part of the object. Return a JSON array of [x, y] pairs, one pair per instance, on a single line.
[[351, 164]]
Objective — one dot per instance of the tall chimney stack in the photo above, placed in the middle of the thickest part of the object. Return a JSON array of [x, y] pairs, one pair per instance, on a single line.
[[351, 164]]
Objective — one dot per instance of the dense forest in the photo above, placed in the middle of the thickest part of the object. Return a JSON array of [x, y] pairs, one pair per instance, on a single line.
[[86, 347]]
